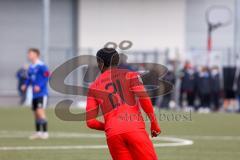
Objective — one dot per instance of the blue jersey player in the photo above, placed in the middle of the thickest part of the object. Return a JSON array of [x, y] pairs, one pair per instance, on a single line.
[[38, 75]]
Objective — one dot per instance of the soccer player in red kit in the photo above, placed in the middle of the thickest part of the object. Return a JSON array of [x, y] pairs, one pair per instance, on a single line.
[[119, 94]]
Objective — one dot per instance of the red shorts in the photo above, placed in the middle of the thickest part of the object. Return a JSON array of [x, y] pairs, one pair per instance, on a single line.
[[131, 146]]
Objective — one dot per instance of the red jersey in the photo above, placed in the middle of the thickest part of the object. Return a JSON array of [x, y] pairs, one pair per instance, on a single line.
[[116, 92]]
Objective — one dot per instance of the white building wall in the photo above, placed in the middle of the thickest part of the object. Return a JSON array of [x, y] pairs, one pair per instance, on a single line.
[[149, 24]]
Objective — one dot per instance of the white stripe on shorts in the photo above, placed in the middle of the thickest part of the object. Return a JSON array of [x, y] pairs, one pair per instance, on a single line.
[[45, 101]]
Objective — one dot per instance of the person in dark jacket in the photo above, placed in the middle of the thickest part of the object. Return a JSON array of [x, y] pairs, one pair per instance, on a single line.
[[204, 87], [149, 80], [238, 90], [21, 76], [188, 84], [215, 88], [169, 77], [229, 79]]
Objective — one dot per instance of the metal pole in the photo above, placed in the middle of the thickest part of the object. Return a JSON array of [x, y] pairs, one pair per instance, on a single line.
[[75, 39], [75, 26], [236, 48], [46, 28]]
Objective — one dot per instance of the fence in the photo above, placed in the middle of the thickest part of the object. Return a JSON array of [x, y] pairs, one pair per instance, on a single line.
[[218, 57], [57, 56]]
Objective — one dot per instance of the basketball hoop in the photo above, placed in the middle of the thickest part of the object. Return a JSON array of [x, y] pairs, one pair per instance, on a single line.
[[216, 17]]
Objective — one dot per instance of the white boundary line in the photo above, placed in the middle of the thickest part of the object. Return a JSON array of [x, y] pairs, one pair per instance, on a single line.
[[174, 142], [25, 134]]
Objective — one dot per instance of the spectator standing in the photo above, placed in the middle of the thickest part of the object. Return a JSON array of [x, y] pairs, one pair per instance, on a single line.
[[238, 91], [169, 77], [204, 89], [22, 75], [215, 88], [229, 77], [188, 84]]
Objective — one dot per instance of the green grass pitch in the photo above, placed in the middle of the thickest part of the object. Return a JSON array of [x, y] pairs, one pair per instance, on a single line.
[[214, 136]]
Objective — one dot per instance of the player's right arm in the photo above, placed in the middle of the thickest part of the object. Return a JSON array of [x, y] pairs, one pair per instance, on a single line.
[[92, 110], [139, 90]]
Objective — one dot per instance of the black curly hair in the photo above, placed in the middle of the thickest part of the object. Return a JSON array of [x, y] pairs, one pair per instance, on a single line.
[[108, 56]]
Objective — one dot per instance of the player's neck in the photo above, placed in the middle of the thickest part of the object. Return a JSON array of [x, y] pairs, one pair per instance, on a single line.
[[35, 61], [108, 68]]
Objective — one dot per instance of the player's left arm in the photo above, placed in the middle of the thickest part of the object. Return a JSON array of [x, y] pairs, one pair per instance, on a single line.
[[139, 90], [92, 111]]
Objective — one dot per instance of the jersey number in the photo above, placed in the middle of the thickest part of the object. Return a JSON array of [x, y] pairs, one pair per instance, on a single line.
[[117, 89]]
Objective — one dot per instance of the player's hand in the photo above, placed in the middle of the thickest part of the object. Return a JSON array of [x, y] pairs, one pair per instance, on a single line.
[[36, 89], [24, 88], [155, 129]]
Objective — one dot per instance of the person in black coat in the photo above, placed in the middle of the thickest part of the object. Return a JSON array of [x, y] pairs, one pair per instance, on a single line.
[[238, 90], [215, 88], [21, 76], [204, 87], [229, 79], [188, 84], [169, 77]]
